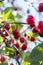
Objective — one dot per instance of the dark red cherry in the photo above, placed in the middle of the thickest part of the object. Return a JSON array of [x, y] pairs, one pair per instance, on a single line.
[[22, 39], [24, 47], [16, 44], [7, 26]]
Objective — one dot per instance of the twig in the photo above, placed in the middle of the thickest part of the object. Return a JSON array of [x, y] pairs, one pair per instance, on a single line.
[[15, 49]]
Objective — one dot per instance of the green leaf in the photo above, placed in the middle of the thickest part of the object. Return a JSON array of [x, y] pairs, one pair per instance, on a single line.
[[13, 26], [35, 63], [4, 16], [24, 63], [7, 9], [36, 55], [25, 56], [11, 16], [3, 63], [7, 49], [1, 3], [18, 16], [37, 50]]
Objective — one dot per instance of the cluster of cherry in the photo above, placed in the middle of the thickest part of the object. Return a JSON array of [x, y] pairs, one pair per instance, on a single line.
[[35, 29]]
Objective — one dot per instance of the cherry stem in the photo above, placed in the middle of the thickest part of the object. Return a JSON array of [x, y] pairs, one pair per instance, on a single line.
[[18, 23]]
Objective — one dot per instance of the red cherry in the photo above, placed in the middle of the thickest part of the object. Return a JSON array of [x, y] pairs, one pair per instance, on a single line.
[[3, 30], [22, 39], [5, 33], [34, 29], [17, 45], [40, 7], [7, 26], [16, 33], [40, 28], [40, 32], [24, 47], [30, 21], [32, 39], [17, 36], [2, 58], [11, 64], [40, 25]]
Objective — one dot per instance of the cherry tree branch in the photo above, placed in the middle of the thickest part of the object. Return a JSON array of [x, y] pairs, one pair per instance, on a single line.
[[7, 44]]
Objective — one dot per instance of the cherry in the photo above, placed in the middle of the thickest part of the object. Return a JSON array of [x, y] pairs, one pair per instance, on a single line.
[[32, 39], [16, 33], [22, 39], [40, 25], [17, 45], [7, 26], [5, 33], [40, 28], [23, 47], [34, 30], [40, 32], [11, 64], [2, 58], [17, 36], [3, 30], [30, 20], [40, 7]]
